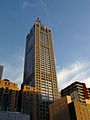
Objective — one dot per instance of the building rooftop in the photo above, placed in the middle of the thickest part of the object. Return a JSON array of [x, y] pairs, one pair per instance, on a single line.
[[72, 84], [7, 83], [6, 80]]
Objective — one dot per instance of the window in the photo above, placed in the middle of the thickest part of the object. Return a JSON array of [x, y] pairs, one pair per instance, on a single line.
[[45, 60], [5, 83], [43, 38]]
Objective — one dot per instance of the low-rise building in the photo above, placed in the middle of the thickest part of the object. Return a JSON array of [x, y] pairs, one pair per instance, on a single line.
[[77, 90], [29, 101], [13, 116], [65, 109], [59, 109], [89, 92], [9, 92]]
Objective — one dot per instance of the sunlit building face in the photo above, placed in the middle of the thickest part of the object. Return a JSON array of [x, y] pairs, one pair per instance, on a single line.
[[39, 67]]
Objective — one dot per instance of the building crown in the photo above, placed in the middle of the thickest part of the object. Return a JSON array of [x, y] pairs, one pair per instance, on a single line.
[[38, 20]]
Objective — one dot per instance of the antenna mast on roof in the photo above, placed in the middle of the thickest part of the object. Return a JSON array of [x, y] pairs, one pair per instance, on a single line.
[[38, 20]]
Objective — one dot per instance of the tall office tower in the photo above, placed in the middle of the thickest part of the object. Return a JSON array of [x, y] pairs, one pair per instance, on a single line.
[[77, 91], [1, 71], [39, 67]]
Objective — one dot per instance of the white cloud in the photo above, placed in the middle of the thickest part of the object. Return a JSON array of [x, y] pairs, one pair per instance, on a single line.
[[13, 70], [25, 4], [57, 67], [78, 71], [13, 73], [87, 81]]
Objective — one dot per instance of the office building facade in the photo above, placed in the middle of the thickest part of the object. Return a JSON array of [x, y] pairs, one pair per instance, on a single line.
[[77, 90], [79, 111], [29, 102], [59, 109], [39, 67], [9, 93], [65, 109], [88, 92]]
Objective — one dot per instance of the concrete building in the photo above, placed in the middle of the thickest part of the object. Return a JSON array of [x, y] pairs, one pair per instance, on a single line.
[[9, 92], [1, 71], [29, 101], [65, 109], [59, 109], [79, 111], [39, 67], [13, 116], [89, 92], [77, 90]]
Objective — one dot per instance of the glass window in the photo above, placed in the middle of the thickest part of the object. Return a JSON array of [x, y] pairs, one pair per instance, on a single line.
[[43, 38]]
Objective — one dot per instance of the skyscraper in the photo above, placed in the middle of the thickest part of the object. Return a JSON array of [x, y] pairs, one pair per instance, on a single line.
[[39, 67], [1, 71]]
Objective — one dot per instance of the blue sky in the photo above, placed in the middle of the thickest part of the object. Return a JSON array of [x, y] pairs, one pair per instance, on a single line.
[[70, 24]]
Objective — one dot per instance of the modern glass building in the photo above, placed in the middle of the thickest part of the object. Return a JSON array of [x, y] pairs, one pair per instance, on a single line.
[[39, 67]]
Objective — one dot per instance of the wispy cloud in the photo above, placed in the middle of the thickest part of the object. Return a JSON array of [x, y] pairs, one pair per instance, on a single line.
[[14, 71], [45, 7], [78, 71], [25, 4]]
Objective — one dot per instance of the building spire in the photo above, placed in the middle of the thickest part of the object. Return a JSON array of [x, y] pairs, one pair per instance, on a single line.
[[38, 20]]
